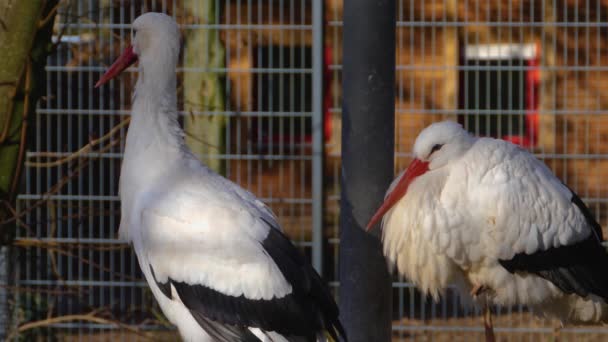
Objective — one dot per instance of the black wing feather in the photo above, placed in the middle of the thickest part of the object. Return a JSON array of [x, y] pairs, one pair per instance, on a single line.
[[165, 288], [579, 268], [224, 332], [305, 312], [308, 285], [219, 331]]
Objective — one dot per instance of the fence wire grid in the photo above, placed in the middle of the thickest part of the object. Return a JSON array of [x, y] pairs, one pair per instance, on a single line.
[[260, 98]]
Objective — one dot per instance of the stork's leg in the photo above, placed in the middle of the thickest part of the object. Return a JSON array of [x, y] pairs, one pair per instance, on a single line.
[[487, 322], [556, 333], [487, 314], [477, 290]]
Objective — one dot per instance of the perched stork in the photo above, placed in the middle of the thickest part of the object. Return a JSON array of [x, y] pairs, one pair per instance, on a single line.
[[489, 217], [213, 254]]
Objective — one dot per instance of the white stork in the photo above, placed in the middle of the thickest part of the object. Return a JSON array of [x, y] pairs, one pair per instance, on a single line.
[[213, 254], [488, 216]]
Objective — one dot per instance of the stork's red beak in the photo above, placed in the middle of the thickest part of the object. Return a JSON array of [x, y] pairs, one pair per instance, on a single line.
[[125, 60], [416, 168]]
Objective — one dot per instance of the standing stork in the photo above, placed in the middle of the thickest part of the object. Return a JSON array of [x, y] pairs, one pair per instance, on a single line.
[[213, 254], [489, 217]]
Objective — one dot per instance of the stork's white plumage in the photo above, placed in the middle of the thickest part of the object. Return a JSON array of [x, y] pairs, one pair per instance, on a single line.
[[212, 253], [484, 213]]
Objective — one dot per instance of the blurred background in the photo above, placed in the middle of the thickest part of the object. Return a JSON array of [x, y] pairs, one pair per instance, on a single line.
[[531, 72]]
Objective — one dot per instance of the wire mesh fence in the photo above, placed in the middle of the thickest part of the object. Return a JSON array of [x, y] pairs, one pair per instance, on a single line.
[[251, 100], [246, 98], [530, 72]]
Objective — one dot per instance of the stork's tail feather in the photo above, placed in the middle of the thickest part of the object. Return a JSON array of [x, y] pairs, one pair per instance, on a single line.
[[339, 330], [574, 309], [590, 310], [332, 334], [326, 336]]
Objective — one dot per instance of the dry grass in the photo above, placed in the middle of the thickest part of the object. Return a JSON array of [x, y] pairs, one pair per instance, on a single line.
[[114, 336], [512, 327]]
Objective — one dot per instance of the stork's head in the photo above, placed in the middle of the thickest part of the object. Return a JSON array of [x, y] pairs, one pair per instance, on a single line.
[[436, 147], [155, 43], [440, 143]]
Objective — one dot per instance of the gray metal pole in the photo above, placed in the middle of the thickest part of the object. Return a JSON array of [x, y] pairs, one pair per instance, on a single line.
[[317, 135], [368, 122], [4, 294]]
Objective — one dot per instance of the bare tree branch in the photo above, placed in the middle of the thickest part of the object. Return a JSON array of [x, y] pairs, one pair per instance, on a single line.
[[85, 149], [89, 317]]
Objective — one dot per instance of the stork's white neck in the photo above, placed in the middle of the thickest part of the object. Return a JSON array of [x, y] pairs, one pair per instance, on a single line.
[[155, 142], [154, 116], [155, 139]]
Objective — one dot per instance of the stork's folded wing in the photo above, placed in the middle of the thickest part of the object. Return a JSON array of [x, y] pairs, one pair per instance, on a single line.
[[234, 267]]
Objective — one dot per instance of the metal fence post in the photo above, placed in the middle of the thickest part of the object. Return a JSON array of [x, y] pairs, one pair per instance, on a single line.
[[4, 283], [367, 164], [317, 135]]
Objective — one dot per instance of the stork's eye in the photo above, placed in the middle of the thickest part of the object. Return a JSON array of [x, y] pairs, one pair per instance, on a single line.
[[435, 148]]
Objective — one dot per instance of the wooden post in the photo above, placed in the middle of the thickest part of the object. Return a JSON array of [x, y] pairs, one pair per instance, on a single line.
[[203, 90], [546, 107], [451, 60]]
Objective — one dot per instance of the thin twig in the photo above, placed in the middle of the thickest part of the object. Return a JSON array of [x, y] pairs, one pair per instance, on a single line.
[[90, 317], [18, 220], [93, 264], [55, 188], [61, 248], [49, 16], [85, 149], [26, 108], [38, 290], [53, 259], [96, 213], [36, 242]]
